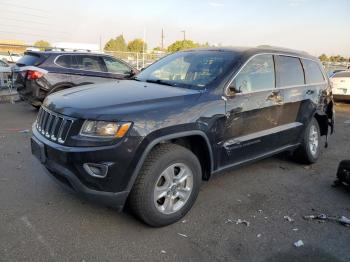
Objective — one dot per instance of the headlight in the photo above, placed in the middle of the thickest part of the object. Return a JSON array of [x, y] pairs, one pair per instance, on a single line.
[[104, 129]]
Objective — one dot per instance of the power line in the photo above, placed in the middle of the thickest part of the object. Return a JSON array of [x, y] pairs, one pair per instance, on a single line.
[[21, 13], [26, 7], [36, 29], [20, 33], [21, 20]]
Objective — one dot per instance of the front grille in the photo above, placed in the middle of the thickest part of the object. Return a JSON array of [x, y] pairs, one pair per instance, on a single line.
[[53, 126]]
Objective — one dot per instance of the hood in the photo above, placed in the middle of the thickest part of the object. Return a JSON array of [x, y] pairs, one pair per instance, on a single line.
[[112, 99]]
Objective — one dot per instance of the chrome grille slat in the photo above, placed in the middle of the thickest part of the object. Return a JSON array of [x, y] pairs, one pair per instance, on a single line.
[[53, 126]]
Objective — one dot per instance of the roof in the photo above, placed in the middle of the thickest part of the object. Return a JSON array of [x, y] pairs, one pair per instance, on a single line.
[[66, 52], [257, 50]]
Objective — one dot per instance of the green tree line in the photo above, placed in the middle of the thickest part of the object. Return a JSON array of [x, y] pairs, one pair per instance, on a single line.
[[336, 58], [138, 45]]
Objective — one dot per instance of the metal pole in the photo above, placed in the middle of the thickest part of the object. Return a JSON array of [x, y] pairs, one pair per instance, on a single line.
[[137, 60], [162, 39], [184, 32]]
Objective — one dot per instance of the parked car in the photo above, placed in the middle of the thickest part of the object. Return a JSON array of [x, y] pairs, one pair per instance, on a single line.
[[10, 57], [5, 73], [4, 64], [44, 73], [151, 140], [341, 85]]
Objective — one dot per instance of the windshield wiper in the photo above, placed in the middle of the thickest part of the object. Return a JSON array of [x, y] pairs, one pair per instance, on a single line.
[[159, 81]]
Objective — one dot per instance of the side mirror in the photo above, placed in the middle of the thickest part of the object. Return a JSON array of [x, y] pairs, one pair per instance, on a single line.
[[232, 90], [133, 72]]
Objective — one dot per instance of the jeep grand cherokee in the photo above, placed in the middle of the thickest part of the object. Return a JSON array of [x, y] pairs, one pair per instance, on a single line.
[[150, 141]]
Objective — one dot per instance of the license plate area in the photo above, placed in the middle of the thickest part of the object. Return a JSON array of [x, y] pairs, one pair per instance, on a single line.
[[38, 150]]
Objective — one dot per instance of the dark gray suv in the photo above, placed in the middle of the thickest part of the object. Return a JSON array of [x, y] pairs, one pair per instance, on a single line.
[[43, 73]]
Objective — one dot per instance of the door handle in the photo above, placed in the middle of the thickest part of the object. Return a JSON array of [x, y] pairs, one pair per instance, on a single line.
[[310, 92]]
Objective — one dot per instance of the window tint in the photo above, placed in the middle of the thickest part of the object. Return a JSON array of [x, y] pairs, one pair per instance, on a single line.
[[288, 71], [258, 74], [341, 74], [65, 61], [29, 59], [89, 63], [313, 72], [115, 66]]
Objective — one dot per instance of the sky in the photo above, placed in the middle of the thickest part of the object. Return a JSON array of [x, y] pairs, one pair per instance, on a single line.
[[315, 26]]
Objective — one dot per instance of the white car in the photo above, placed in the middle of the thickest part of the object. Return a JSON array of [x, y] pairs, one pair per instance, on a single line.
[[5, 74], [10, 57], [341, 85]]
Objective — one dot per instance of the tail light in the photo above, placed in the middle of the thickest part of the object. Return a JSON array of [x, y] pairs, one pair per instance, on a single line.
[[34, 75]]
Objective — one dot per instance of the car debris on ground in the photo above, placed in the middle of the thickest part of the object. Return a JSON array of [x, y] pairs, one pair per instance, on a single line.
[[299, 243], [183, 235], [323, 217], [238, 221], [289, 219]]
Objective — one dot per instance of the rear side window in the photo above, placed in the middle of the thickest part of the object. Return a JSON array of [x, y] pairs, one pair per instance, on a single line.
[[115, 66], [313, 73], [341, 74], [64, 61], [258, 74], [88, 63], [29, 60], [289, 71]]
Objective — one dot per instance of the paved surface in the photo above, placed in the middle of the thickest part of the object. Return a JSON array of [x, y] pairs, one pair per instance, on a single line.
[[40, 221]]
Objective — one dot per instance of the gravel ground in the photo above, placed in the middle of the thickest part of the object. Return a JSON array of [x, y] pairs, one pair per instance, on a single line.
[[40, 221]]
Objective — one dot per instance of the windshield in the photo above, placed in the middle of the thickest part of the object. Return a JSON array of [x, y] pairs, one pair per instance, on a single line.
[[191, 69]]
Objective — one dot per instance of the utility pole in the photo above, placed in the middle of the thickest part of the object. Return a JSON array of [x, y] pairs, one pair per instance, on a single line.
[[101, 43], [162, 42], [184, 32]]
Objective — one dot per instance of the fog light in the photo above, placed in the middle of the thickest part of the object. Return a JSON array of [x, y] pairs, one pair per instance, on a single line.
[[96, 170]]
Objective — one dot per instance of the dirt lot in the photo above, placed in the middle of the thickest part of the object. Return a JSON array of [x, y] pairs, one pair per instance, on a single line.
[[40, 221]]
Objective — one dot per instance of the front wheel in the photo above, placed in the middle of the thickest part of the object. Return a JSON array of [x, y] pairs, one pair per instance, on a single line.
[[167, 185], [309, 150]]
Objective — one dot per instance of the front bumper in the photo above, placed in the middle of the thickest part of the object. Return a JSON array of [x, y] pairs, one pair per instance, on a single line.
[[66, 165]]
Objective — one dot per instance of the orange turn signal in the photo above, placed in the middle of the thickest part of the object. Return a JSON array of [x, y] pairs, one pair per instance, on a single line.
[[122, 130]]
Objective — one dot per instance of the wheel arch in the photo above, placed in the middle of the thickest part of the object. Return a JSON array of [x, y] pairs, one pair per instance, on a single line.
[[186, 139]]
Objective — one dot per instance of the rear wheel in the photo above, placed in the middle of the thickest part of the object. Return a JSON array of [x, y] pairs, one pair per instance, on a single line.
[[167, 185], [309, 150]]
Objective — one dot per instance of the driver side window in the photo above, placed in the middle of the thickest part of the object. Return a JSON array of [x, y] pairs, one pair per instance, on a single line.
[[257, 75]]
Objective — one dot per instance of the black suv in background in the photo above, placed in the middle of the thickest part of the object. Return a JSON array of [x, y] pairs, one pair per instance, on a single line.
[[43, 73], [150, 141]]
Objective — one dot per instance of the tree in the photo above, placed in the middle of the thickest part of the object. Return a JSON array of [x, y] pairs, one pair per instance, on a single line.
[[137, 45], [116, 44], [323, 58], [42, 44], [181, 45]]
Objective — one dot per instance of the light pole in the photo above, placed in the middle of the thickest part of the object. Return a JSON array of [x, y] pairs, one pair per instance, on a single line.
[[184, 32]]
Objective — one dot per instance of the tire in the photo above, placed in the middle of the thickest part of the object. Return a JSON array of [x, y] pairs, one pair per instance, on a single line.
[[309, 149], [175, 160]]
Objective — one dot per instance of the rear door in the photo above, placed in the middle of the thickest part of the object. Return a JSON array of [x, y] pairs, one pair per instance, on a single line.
[[290, 82], [87, 69]]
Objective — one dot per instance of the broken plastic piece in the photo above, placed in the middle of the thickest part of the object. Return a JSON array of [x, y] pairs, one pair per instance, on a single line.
[[183, 235], [288, 218], [299, 243]]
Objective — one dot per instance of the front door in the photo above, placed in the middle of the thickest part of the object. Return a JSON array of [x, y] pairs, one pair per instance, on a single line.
[[253, 111]]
